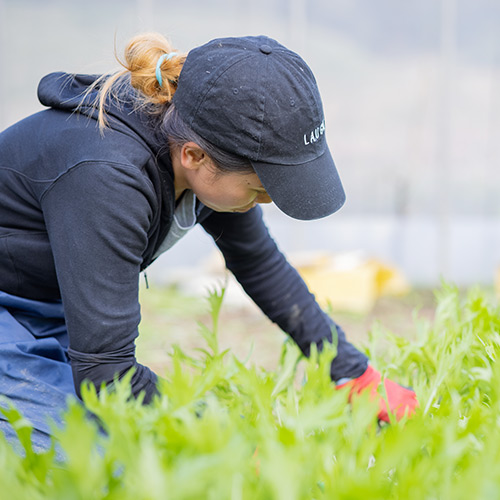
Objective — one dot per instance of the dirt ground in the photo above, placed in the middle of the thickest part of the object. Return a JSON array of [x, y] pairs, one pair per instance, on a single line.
[[169, 317]]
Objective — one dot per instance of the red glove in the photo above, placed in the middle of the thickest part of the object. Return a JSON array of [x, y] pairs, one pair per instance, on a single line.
[[400, 400]]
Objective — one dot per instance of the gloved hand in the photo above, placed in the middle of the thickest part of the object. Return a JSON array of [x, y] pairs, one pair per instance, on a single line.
[[400, 400]]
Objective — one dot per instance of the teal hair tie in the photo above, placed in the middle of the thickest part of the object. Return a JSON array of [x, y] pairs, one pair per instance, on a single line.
[[164, 57]]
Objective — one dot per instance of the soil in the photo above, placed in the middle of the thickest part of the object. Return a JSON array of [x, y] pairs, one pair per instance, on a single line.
[[171, 318]]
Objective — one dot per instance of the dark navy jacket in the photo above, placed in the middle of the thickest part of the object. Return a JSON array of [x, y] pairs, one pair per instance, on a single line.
[[83, 212]]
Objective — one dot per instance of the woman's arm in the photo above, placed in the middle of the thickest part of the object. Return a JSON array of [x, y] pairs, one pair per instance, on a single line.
[[276, 287], [97, 217]]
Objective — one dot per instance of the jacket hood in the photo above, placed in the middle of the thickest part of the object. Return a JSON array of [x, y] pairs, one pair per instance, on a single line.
[[66, 92]]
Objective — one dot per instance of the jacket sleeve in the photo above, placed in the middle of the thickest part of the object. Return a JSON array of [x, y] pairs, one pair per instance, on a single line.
[[97, 217], [276, 287]]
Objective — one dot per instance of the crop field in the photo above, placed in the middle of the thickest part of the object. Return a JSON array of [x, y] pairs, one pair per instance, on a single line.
[[226, 427]]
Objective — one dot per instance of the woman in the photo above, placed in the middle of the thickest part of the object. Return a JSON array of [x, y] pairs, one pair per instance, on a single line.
[[118, 168]]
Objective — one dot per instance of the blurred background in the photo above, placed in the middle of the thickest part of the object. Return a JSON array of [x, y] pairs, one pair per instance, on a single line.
[[412, 104]]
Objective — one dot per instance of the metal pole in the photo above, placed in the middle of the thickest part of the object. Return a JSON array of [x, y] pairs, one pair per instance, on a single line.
[[298, 25], [444, 173], [3, 110], [145, 14]]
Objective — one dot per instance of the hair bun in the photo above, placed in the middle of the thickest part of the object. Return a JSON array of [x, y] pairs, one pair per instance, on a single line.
[[142, 54]]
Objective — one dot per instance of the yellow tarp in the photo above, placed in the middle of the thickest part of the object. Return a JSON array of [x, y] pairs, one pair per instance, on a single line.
[[350, 282]]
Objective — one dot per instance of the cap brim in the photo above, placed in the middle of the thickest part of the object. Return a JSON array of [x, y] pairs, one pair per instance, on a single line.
[[308, 191]]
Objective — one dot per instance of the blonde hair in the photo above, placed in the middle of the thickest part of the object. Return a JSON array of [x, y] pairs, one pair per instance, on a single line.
[[141, 56], [139, 70]]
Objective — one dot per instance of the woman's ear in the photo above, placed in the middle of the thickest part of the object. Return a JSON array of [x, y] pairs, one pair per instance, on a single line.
[[192, 156]]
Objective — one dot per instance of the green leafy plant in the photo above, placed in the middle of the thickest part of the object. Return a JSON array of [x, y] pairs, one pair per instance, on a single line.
[[223, 429]]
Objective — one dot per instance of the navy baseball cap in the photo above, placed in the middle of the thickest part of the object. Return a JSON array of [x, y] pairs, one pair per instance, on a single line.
[[253, 97]]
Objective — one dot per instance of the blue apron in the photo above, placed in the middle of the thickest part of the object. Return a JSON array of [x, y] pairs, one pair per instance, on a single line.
[[35, 372]]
